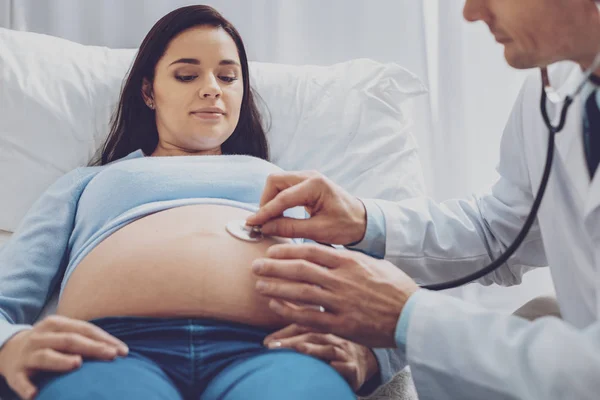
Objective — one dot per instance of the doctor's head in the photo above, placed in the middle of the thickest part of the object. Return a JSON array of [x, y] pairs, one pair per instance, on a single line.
[[537, 33], [188, 92]]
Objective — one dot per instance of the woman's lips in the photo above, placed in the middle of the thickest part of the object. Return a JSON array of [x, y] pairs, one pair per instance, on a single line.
[[208, 116]]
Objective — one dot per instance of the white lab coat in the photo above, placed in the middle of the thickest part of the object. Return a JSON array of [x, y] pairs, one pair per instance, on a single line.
[[460, 351]]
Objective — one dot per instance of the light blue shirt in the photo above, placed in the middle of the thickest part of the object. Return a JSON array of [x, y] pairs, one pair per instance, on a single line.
[[81, 209], [88, 204]]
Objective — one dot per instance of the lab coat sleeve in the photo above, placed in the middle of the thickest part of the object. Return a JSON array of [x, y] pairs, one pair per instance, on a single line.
[[457, 350], [436, 242]]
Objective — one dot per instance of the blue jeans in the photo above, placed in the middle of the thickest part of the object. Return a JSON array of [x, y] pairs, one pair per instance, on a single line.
[[179, 358]]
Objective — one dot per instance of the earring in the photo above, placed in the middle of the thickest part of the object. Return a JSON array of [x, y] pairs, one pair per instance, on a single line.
[[151, 105]]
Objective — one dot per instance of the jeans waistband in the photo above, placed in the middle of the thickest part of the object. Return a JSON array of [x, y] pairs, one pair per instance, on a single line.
[[127, 325]]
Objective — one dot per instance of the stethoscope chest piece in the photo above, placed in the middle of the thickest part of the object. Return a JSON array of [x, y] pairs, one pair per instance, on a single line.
[[239, 230]]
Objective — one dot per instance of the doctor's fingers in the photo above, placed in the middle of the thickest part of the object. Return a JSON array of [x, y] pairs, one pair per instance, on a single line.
[[303, 194], [319, 320], [294, 292], [320, 255], [300, 271], [281, 181], [310, 228]]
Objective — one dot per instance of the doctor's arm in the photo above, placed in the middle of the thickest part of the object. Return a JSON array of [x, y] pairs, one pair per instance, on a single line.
[[458, 350], [435, 242], [431, 241]]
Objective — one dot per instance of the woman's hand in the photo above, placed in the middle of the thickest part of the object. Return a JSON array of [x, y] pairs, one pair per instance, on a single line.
[[354, 362], [57, 344]]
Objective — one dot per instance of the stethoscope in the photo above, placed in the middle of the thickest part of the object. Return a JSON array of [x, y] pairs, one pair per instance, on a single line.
[[548, 93], [253, 234]]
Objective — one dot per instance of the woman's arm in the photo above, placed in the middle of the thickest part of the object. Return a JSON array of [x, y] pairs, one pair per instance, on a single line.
[[32, 261]]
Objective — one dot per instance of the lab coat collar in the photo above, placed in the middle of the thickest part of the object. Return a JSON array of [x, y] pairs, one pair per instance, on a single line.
[[569, 145], [569, 140]]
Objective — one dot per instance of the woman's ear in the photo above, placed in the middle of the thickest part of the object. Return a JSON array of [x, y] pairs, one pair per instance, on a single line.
[[147, 94]]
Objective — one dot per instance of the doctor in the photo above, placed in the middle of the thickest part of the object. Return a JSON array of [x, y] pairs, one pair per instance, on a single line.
[[457, 350]]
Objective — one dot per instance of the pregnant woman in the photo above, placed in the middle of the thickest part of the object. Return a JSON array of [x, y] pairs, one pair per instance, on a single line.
[[157, 299]]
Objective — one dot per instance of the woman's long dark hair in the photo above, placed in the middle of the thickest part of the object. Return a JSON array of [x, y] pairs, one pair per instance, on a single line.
[[133, 125]]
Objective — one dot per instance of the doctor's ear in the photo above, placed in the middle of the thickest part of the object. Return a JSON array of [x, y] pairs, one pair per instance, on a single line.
[[147, 94]]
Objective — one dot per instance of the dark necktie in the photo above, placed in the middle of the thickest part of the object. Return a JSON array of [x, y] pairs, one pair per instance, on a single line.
[[591, 133]]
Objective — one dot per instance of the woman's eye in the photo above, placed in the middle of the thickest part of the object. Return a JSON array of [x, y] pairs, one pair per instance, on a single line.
[[185, 78], [228, 79]]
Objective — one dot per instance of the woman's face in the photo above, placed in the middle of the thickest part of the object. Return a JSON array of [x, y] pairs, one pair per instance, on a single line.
[[197, 92]]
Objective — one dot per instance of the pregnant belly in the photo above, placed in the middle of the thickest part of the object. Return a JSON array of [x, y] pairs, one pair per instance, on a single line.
[[178, 262]]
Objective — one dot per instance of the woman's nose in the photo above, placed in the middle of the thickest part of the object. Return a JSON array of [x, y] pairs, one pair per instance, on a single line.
[[210, 88]]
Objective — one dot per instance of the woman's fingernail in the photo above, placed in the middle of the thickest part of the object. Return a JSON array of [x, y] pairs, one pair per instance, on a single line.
[[274, 345], [124, 350], [257, 265], [261, 285]]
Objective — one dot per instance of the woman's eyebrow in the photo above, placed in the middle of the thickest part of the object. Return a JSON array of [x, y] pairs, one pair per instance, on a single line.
[[195, 61]]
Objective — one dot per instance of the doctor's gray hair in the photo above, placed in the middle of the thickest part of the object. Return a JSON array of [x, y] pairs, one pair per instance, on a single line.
[[133, 124]]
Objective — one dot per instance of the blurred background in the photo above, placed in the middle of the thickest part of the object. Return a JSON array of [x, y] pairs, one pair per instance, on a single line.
[[458, 125]]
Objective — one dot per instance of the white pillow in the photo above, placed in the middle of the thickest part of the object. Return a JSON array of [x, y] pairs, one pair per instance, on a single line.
[[4, 236], [350, 120]]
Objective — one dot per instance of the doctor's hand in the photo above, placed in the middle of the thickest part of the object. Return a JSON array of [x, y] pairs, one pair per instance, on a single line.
[[336, 217], [362, 296], [356, 363]]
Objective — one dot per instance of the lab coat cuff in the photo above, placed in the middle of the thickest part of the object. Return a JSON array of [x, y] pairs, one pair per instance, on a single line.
[[429, 310], [401, 333], [373, 244]]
